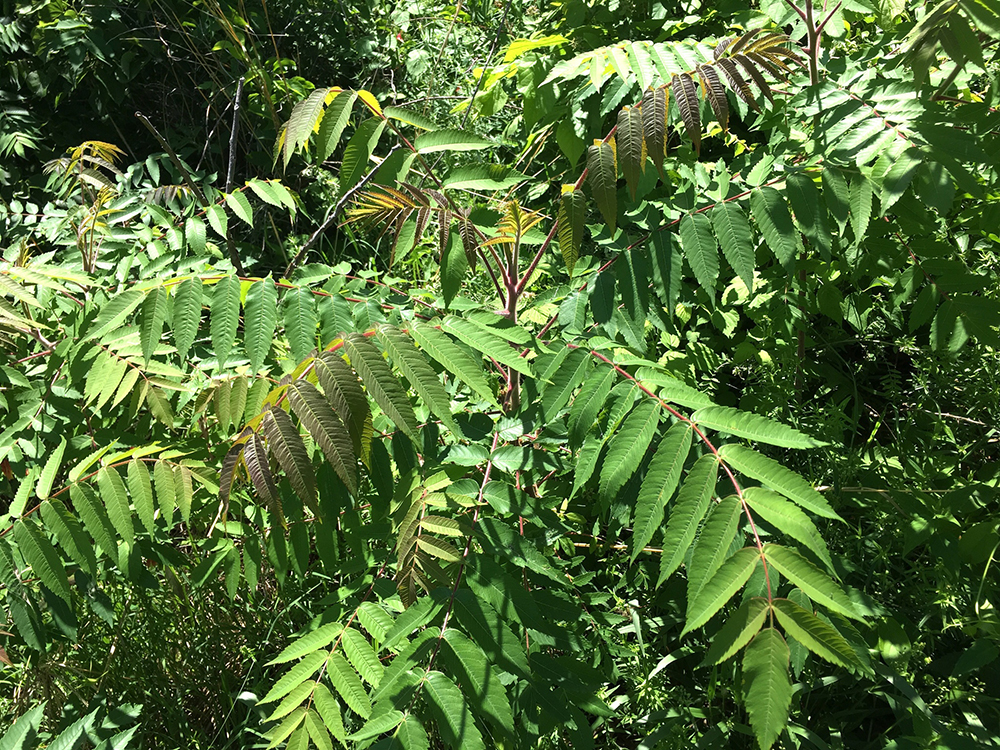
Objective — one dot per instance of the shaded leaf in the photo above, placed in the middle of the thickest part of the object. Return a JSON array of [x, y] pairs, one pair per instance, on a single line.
[[39, 553], [327, 429], [741, 626], [628, 446], [719, 589], [381, 384], [686, 515], [602, 176], [700, 249], [287, 446], [658, 485], [454, 719]]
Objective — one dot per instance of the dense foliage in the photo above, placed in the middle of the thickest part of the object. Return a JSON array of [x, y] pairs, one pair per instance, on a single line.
[[594, 374]]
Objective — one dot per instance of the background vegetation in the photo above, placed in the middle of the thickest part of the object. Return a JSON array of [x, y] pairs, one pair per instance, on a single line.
[[584, 374]]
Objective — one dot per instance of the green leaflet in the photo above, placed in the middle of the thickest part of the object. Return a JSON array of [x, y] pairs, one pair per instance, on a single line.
[[777, 477], [485, 627], [23, 730], [719, 589], [571, 215], [586, 461], [273, 193], [39, 553], [682, 525], [898, 178], [713, 545], [486, 177], [450, 139], [810, 211], [775, 222], [115, 499], [332, 127], [564, 380], [752, 427], [70, 535], [378, 724], [296, 675], [195, 235], [186, 314], [483, 340], [163, 478], [789, 520], [700, 249], [95, 519], [240, 206], [438, 548], [819, 637], [260, 317], [588, 403], [225, 317], [292, 701], [218, 220], [670, 389], [421, 375], [346, 681], [362, 657], [141, 490], [52, 465], [767, 688], [602, 175], [454, 263], [631, 146], [310, 642], [658, 485], [287, 446], [632, 274], [329, 710], [815, 583], [836, 192], [861, 206], [183, 491], [479, 679], [453, 358], [741, 626], [454, 719], [317, 732], [381, 384], [628, 447], [410, 735], [733, 230], [114, 313], [154, 312], [327, 429], [300, 322], [290, 726]]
